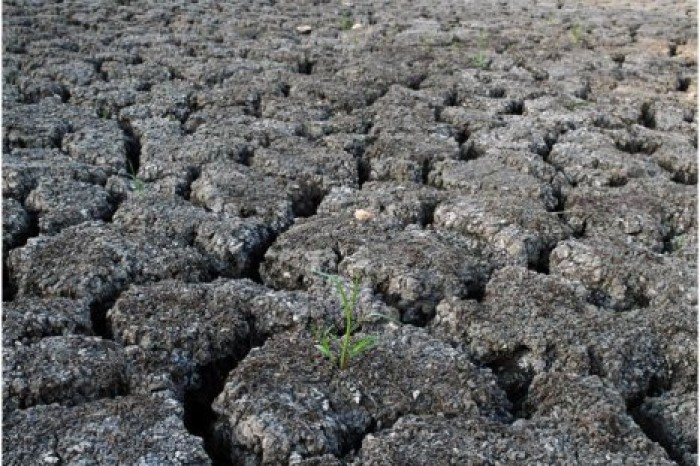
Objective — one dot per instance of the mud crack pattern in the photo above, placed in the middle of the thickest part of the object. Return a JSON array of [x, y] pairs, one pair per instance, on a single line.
[[514, 182]]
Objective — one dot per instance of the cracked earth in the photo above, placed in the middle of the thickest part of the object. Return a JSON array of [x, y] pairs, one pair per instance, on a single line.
[[514, 183]]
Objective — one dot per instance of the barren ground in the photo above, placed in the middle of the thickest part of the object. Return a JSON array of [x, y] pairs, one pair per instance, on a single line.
[[513, 182]]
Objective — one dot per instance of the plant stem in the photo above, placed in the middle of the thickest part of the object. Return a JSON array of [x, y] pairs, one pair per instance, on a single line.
[[349, 308], [344, 352], [346, 338]]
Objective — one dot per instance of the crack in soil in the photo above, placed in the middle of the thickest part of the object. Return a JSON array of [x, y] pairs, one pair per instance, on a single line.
[[133, 146], [513, 379], [278, 54]]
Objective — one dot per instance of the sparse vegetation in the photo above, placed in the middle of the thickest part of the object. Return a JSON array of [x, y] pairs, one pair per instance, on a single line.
[[340, 351], [138, 184], [481, 60], [678, 242], [576, 104], [346, 22], [576, 33]]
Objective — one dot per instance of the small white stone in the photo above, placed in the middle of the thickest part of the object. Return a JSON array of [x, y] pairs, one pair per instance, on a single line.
[[416, 394], [304, 29], [50, 458], [363, 215]]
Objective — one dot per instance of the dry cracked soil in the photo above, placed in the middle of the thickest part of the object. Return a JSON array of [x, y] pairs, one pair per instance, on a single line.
[[513, 182]]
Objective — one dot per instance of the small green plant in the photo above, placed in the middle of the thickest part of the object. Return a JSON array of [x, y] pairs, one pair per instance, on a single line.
[[139, 184], [678, 242], [576, 104], [481, 60], [346, 22], [576, 33], [340, 351]]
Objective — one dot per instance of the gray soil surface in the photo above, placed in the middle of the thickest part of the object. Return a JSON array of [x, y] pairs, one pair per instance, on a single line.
[[513, 183]]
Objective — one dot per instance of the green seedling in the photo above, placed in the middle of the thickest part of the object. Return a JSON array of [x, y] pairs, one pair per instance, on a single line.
[[139, 184], [481, 60], [573, 105], [576, 34], [678, 243], [346, 22], [340, 351]]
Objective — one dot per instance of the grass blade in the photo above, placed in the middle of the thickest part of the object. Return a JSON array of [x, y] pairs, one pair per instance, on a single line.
[[362, 345], [326, 352]]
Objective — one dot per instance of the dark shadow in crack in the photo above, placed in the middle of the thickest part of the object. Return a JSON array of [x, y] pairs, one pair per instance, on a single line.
[[514, 378]]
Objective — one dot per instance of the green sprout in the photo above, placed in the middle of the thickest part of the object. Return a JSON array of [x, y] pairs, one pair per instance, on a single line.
[[678, 242], [340, 351], [576, 34], [139, 184], [346, 22], [576, 104], [480, 59]]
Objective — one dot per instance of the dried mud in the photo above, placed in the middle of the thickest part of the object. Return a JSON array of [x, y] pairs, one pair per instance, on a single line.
[[514, 183]]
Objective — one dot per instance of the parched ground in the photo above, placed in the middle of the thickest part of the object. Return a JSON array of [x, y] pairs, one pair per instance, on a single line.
[[514, 183]]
